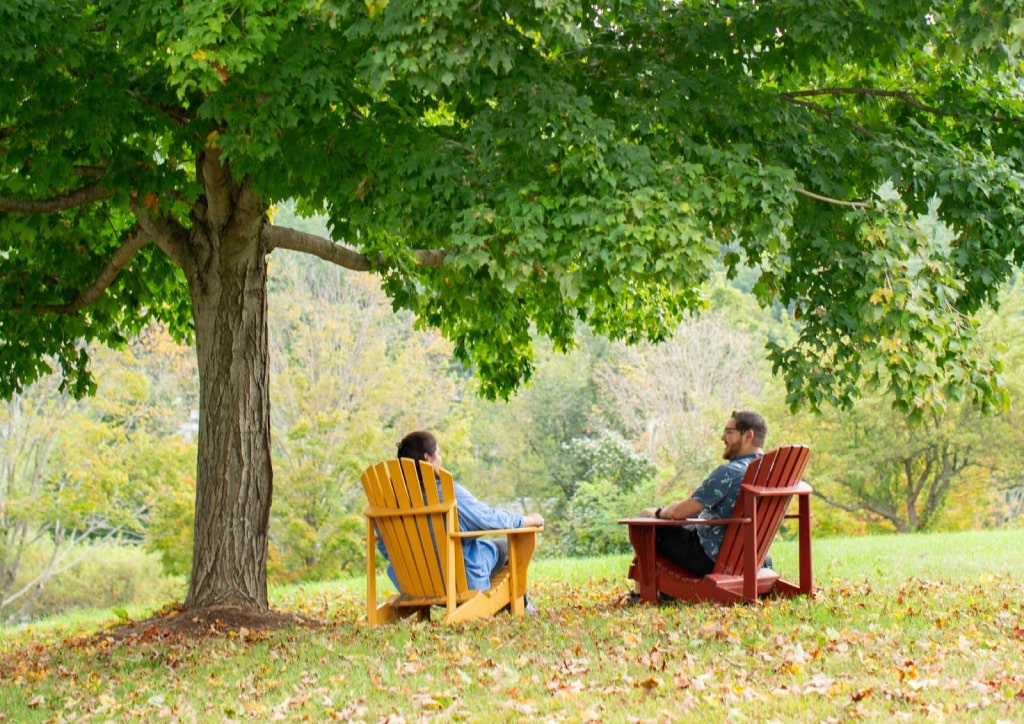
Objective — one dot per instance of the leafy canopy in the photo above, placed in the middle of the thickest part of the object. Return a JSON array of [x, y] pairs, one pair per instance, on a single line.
[[569, 162]]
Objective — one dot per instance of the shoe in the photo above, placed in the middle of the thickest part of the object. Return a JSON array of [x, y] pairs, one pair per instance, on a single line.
[[633, 598], [630, 598], [531, 610]]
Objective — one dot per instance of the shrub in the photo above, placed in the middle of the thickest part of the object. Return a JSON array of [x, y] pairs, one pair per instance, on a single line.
[[113, 574]]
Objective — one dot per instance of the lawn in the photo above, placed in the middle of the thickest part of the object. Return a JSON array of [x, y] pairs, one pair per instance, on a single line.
[[916, 628]]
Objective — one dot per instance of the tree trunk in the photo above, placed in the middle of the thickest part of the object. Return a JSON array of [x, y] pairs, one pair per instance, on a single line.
[[234, 481]]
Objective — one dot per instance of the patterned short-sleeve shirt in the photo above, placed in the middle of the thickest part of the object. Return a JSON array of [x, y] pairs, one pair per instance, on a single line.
[[718, 495]]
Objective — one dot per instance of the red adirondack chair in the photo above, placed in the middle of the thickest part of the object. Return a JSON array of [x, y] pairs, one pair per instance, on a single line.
[[768, 486]]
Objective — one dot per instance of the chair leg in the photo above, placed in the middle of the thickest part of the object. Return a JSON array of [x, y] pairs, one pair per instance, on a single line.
[[644, 565], [806, 575]]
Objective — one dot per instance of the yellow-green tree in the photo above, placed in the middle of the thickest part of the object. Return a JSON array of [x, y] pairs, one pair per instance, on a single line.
[[77, 474], [350, 378]]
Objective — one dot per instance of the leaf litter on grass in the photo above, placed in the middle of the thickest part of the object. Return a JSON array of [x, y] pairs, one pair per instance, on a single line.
[[913, 650]]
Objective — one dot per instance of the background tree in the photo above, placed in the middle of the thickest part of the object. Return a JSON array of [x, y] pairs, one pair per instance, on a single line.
[[1002, 455], [350, 378], [28, 438], [886, 469], [891, 474], [504, 168], [615, 477], [1002, 329], [520, 446], [77, 475], [676, 395]]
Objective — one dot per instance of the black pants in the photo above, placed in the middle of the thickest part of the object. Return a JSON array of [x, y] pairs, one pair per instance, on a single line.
[[682, 546]]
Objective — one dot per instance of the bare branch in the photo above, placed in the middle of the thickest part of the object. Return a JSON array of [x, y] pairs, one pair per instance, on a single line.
[[280, 237], [85, 195], [828, 200], [848, 507], [58, 562], [882, 511], [39, 581], [904, 96]]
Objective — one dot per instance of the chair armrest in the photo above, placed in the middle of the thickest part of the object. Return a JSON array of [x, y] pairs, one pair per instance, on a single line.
[[682, 521], [651, 521], [496, 531], [800, 488], [715, 521]]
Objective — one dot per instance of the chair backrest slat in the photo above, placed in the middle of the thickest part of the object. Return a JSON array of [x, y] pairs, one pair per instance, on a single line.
[[381, 493], [780, 468], [416, 540], [446, 483], [415, 560]]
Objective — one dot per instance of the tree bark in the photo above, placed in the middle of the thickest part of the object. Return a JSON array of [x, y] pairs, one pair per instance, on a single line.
[[227, 275]]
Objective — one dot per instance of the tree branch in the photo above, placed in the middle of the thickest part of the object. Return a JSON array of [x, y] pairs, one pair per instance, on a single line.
[[828, 200], [848, 507], [899, 95], [881, 511], [63, 202], [134, 241], [280, 237], [217, 183], [169, 235], [92, 171], [818, 108], [57, 564]]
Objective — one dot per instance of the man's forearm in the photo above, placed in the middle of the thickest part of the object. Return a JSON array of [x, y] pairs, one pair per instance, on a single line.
[[681, 510]]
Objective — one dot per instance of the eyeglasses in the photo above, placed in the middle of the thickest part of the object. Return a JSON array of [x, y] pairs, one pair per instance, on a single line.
[[727, 430]]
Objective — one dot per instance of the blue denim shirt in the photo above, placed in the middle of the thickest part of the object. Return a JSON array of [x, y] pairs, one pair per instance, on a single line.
[[718, 495], [480, 555]]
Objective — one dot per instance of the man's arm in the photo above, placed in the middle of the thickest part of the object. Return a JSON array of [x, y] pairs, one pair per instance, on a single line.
[[679, 510], [477, 515]]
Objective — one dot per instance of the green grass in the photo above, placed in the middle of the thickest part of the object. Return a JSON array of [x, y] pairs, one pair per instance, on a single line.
[[918, 628]]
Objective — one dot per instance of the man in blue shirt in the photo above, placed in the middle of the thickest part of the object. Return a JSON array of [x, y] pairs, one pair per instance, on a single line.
[[482, 556], [695, 548]]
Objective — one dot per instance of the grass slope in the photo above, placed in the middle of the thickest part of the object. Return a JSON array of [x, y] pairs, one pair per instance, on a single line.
[[915, 628]]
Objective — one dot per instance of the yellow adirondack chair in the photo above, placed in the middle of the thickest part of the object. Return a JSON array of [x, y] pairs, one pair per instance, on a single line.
[[420, 531]]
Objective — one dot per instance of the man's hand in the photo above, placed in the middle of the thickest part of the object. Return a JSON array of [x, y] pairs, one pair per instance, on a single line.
[[648, 513], [533, 520]]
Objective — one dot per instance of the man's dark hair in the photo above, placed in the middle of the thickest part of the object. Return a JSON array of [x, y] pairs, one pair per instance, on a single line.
[[746, 420], [417, 445]]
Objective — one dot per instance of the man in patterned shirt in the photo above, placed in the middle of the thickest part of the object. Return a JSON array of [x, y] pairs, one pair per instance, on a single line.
[[696, 547]]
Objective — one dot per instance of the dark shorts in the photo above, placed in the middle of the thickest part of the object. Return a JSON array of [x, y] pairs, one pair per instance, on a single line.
[[682, 546]]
